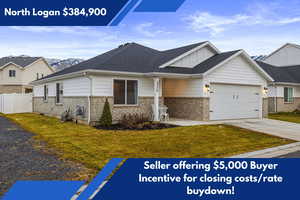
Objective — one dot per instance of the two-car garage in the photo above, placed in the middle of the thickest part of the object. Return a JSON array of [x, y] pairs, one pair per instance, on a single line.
[[235, 101]]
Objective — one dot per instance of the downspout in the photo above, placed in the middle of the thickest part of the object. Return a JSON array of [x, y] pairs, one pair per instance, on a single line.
[[275, 101], [89, 97]]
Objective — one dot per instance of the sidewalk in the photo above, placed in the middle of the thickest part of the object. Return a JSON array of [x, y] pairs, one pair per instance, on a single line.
[[271, 152]]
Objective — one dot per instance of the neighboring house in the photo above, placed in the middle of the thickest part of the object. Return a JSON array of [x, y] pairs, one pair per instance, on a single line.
[[196, 82], [284, 67], [16, 73]]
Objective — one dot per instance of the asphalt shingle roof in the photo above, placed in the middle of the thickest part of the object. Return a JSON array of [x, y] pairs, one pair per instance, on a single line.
[[22, 61], [202, 67], [288, 74], [136, 58]]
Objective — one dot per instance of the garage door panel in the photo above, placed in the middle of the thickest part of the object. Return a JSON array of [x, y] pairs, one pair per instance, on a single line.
[[234, 102]]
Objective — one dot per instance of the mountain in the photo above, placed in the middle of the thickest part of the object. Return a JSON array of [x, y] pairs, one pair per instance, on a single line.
[[60, 64]]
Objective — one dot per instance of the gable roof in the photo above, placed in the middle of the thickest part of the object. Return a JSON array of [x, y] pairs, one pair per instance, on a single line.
[[131, 57], [288, 74], [283, 46], [21, 61], [135, 58], [202, 67]]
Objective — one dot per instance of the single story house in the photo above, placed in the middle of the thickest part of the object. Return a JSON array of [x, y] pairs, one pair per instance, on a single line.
[[196, 82], [283, 65], [16, 73]]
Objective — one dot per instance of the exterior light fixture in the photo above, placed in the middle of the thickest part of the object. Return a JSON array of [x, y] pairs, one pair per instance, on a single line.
[[266, 90], [207, 87]]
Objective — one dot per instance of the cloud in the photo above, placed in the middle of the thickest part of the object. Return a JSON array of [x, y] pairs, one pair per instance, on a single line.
[[289, 20], [146, 29], [255, 14], [72, 30], [206, 22]]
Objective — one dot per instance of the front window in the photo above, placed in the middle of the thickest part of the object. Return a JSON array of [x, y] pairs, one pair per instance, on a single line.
[[59, 92], [45, 92], [12, 73], [125, 92], [288, 95]]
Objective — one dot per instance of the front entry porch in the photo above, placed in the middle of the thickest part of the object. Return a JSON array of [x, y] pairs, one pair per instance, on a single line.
[[183, 98]]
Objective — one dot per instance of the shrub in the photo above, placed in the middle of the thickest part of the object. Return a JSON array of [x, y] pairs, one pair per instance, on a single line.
[[133, 120], [106, 117], [66, 116], [297, 111]]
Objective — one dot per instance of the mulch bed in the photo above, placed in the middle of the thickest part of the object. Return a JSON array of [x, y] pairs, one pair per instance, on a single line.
[[147, 126]]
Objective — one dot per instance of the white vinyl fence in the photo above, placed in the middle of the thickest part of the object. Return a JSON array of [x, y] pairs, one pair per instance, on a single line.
[[15, 103]]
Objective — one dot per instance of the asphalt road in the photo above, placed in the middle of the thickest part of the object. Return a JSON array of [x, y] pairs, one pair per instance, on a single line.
[[19, 160]]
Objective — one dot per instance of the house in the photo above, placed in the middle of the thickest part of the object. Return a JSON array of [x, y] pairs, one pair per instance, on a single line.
[[196, 82], [16, 73], [283, 65]]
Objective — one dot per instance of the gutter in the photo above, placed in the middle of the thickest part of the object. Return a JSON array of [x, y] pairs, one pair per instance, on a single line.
[[287, 83], [107, 72]]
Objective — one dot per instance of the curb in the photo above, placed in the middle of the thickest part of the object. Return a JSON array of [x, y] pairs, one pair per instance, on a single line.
[[269, 150]]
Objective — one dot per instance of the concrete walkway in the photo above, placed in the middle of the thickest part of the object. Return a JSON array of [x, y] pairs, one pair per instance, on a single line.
[[285, 151], [272, 127]]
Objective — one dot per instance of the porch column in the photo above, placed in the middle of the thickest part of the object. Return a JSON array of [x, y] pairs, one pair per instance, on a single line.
[[156, 98]]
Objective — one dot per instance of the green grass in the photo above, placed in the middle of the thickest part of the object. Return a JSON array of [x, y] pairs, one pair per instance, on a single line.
[[93, 148], [285, 116]]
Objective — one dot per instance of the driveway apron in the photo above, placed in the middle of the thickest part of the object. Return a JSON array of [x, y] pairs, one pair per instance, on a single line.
[[272, 127]]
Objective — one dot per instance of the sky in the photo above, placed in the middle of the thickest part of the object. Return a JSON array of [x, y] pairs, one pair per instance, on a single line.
[[257, 26]]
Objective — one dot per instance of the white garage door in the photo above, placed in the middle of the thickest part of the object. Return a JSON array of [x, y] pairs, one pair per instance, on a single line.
[[234, 102]]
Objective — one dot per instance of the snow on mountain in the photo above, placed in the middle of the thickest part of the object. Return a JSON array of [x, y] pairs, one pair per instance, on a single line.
[[60, 64]]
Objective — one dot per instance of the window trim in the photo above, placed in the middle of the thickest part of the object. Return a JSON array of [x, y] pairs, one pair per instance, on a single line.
[[46, 94], [113, 92], [14, 73], [292, 99], [60, 96]]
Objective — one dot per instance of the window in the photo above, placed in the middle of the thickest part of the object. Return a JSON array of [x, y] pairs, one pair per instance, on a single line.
[[59, 92], [125, 92], [288, 95], [12, 73], [45, 92], [37, 76]]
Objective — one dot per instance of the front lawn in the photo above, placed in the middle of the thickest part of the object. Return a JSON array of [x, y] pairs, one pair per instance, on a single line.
[[285, 116], [94, 148]]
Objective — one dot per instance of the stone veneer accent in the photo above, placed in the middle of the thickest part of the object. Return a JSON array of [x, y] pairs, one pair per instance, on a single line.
[[271, 104], [50, 108], [143, 107], [265, 107], [194, 108], [97, 103], [8, 89], [284, 107]]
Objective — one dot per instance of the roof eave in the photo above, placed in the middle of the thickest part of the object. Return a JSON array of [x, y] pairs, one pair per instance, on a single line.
[[11, 63], [106, 72], [173, 75], [286, 83]]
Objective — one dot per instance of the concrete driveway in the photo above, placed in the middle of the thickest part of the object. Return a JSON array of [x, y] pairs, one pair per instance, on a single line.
[[272, 127]]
